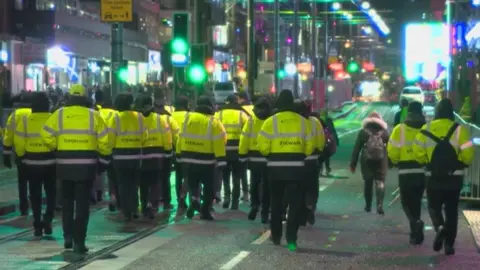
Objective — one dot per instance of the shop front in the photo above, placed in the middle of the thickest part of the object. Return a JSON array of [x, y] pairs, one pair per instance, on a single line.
[[223, 66]]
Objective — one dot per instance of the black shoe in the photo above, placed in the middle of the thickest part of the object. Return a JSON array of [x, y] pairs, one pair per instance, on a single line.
[[47, 229], [413, 240], [234, 205], [449, 250], [439, 238], [111, 207], [207, 216], [380, 210], [38, 232], [148, 213], [276, 241], [68, 242], [368, 209], [194, 206], [226, 204], [419, 236], [80, 248], [311, 217], [252, 215]]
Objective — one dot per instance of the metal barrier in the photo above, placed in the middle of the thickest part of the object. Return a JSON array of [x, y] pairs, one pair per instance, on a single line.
[[471, 191]]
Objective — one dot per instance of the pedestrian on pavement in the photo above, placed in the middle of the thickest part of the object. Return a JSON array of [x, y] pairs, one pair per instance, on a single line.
[[39, 162], [182, 108], [332, 141], [128, 136], [23, 108], [201, 147], [446, 149], [158, 147], [233, 118], [401, 115], [371, 144], [411, 175], [285, 140], [164, 188], [257, 164], [79, 137]]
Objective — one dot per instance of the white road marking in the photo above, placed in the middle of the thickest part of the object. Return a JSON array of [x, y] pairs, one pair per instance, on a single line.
[[236, 260], [129, 254], [262, 238], [325, 183], [9, 219]]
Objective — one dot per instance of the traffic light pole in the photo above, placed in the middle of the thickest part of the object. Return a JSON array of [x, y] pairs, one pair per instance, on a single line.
[[251, 46], [314, 41], [295, 47], [117, 58], [276, 44], [325, 59]]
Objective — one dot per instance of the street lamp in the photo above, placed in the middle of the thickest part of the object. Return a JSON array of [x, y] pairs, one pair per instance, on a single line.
[[366, 5], [476, 2], [336, 6]]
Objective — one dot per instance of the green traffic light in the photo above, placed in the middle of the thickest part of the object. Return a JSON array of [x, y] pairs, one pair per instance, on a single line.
[[281, 74], [179, 46], [353, 67], [123, 75], [197, 74]]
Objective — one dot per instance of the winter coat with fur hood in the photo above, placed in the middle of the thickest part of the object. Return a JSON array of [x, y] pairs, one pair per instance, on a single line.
[[377, 171]]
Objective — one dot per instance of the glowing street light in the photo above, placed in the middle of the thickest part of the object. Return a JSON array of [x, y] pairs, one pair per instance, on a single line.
[[476, 2], [366, 5], [336, 6]]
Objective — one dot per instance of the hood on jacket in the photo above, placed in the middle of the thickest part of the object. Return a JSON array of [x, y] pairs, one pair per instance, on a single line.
[[205, 105], [145, 105], [262, 109], [374, 122], [415, 120], [40, 102], [444, 110], [285, 101], [124, 102]]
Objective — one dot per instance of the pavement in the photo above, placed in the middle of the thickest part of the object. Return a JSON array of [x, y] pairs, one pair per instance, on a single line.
[[344, 236]]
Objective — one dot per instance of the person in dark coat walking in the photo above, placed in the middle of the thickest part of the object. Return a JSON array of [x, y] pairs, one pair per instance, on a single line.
[[374, 159]]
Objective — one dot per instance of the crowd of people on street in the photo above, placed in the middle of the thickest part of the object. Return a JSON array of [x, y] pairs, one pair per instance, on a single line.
[[136, 141], [430, 157]]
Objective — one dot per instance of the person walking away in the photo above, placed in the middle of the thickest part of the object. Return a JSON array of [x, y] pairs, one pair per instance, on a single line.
[[107, 113], [401, 115], [411, 175], [128, 136], [201, 147], [446, 150], [285, 140], [259, 189], [181, 109], [164, 188], [247, 107], [332, 141], [158, 146], [233, 119], [79, 137], [23, 108], [371, 144], [39, 161]]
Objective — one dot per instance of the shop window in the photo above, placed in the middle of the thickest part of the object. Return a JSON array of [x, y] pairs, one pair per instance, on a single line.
[[45, 5]]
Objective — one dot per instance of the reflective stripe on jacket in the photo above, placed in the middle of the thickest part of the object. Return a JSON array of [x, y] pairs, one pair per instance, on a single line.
[[159, 142], [233, 121], [248, 149]]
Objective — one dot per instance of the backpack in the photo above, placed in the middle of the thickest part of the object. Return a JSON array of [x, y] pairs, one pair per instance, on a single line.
[[444, 159], [330, 143], [374, 148]]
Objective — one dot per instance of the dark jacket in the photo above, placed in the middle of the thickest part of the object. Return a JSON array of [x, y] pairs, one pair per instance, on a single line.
[[369, 170]]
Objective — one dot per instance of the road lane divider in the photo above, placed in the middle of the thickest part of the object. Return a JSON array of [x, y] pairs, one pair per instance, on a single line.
[[264, 237], [235, 260]]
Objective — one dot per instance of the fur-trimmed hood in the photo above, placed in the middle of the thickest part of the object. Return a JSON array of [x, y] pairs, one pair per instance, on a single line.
[[374, 123]]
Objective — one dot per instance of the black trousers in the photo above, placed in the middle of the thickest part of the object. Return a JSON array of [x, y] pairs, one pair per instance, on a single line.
[[165, 185], [260, 190], [128, 186], [42, 176], [181, 185], [244, 179], [412, 187], [76, 209], [113, 185], [293, 192], [312, 187], [326, 161], [196, 176], [147, 187], [368, 191], [22, 176], [437, 199], [235, 169]]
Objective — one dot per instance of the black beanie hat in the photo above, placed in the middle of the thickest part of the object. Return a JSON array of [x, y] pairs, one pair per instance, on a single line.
[[444, 109], [205, 101], [284, 100], [415, 107]]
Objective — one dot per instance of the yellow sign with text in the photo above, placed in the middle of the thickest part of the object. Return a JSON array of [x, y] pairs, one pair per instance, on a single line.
[[116, 10]]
